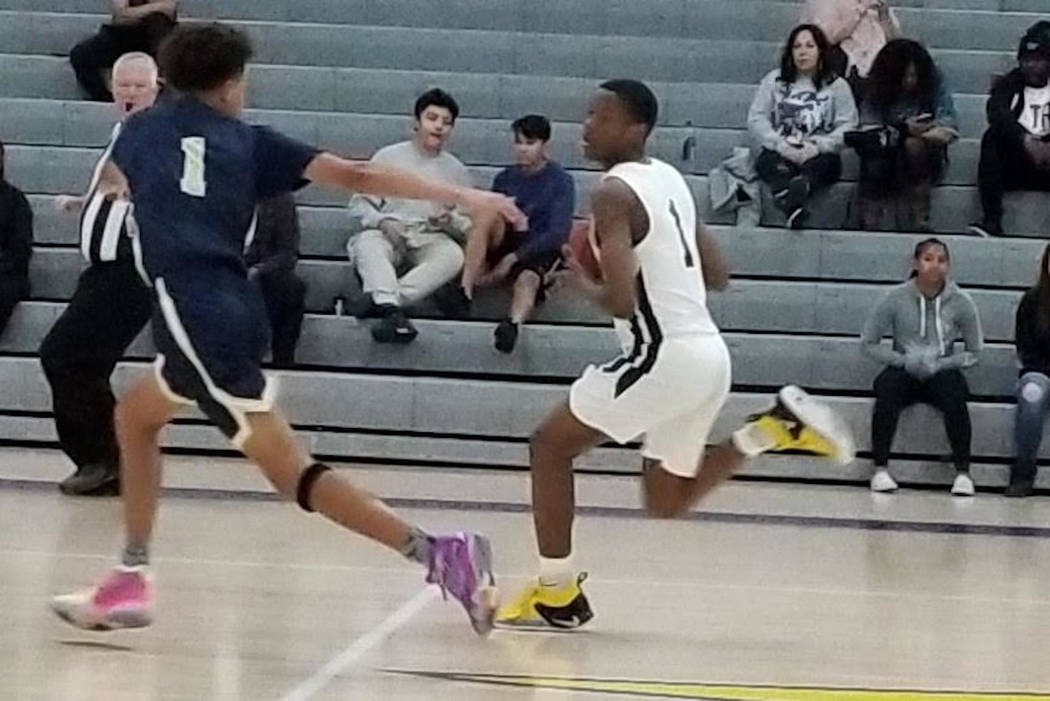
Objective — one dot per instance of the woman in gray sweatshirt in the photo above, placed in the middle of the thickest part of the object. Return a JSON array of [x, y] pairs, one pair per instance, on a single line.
[[925, 316], [798, 120]]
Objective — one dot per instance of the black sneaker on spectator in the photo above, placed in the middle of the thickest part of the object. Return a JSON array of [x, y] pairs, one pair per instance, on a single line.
[[986, 229], [1020, 488], [394, 327], [797, 218], [506, 336], [452, 301], [1022, 481]]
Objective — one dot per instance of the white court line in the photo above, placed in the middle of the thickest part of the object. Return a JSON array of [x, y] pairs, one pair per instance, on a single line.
[[361, 647]]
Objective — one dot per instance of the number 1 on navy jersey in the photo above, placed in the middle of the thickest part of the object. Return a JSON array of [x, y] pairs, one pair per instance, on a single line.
[[192, 182]]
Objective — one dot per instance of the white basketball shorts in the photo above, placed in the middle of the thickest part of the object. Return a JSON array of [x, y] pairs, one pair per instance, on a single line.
[[670, 397]]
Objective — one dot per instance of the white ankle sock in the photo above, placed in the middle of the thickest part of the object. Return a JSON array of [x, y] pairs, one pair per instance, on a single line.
[[556, 572], [752, 440]]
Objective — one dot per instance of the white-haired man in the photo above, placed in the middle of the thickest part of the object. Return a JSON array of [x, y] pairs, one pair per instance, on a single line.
[[110, 307]]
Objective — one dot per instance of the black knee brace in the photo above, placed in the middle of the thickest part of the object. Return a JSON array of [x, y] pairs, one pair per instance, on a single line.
[[306, 484]]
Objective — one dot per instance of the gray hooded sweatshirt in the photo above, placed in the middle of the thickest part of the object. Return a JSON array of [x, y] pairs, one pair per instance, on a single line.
[[924, 327]]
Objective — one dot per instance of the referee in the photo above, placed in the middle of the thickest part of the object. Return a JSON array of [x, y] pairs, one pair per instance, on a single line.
[[110, 307]]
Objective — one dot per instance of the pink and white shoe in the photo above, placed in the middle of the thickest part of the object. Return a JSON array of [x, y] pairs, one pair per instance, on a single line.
[[124, 599]]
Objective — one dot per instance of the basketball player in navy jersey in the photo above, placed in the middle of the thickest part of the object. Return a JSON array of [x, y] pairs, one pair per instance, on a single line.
[[194, 173], [673, 377]]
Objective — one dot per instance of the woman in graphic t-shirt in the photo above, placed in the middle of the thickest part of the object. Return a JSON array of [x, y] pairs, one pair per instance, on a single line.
[[798, 120]]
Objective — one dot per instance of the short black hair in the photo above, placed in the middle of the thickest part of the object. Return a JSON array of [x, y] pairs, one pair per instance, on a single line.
[[533, 126], [437, 98], [637, 97], [200, 57]]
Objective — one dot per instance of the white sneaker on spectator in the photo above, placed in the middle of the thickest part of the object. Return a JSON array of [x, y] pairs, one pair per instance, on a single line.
[[882, 481], [963, 485]]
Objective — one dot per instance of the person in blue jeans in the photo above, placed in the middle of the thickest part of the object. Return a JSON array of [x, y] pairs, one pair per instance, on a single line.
[[1032, 336]]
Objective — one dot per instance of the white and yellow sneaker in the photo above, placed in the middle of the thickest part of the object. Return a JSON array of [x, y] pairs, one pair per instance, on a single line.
[[804, 423], [539, 606]]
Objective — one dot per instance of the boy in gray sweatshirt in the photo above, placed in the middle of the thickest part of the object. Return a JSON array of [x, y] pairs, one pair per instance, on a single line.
[[925, 316], [409, 248]]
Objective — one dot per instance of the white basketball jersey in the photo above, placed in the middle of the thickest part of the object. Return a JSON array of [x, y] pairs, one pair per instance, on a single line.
[[672, 298]]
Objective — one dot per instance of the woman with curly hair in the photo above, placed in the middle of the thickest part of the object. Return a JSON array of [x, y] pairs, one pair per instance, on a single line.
[[909, 106]]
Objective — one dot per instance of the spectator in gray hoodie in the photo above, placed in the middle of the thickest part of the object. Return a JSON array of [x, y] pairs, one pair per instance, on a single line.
[[798, 120], [926, 316]]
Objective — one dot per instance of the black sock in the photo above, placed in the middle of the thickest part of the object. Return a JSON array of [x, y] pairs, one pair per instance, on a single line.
[[134, 556]]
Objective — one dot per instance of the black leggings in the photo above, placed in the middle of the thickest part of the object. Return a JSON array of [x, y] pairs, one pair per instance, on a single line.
[[946, 391], [1005, 166], [819, 171], [917, 161]]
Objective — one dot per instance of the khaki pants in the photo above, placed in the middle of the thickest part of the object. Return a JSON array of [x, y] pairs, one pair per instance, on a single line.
[[433, 260]]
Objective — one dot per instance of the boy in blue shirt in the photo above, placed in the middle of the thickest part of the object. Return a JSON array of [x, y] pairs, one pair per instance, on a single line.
[[496, 253], [194, 173]]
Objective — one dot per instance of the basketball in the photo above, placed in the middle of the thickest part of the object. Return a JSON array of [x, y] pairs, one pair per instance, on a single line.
[[582, 250]]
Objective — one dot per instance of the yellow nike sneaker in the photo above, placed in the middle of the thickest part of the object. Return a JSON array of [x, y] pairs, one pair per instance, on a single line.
[[804, 423], [538, 606]]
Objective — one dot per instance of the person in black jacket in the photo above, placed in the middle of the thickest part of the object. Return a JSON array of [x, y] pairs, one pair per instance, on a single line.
[[1015, 150], [137, 25], [16, 245], [1032, 336], [271, 260]]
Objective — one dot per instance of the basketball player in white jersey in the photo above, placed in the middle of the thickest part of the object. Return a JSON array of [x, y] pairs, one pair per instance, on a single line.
[[673, 377]]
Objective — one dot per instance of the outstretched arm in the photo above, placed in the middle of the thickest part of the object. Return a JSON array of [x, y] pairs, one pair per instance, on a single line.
[[373, 179]]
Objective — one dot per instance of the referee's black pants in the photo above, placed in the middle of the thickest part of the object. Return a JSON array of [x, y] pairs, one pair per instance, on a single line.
[[110, 307]]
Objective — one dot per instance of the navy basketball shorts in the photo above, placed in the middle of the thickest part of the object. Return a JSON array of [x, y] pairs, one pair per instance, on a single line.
[[210, 338]]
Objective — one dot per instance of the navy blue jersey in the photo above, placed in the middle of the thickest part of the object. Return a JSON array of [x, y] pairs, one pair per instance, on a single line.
[[195, 177]]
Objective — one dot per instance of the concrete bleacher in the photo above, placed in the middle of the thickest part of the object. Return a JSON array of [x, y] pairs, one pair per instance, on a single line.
[[344, 73]]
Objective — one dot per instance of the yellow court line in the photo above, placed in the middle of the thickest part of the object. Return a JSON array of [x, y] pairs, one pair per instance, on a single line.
[[725, 692]]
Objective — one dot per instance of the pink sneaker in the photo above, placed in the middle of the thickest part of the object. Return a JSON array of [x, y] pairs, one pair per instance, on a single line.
[[123, 600]]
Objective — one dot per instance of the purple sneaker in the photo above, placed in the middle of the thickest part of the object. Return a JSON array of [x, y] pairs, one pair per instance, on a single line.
[[461, 564]]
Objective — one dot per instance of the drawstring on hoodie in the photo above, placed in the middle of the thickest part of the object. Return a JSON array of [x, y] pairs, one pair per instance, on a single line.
[[937, 320]]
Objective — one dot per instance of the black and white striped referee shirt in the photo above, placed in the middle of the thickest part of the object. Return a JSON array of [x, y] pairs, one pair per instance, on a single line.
[[103, 223]]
